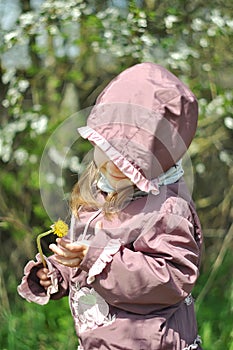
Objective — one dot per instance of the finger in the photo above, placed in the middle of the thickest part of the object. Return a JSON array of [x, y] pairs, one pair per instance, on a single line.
[[69, 262], [56, 249], [42, 273], [62, 252], [45, 284], [72, 247]]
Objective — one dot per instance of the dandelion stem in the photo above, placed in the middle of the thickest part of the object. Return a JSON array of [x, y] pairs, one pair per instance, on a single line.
[[39, 245]]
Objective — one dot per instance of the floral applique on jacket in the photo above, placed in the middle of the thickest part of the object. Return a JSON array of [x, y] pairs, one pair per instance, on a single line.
[[89, 309]]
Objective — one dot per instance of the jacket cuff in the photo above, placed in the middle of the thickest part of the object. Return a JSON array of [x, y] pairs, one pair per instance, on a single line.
[[97, 258], [30, 288]]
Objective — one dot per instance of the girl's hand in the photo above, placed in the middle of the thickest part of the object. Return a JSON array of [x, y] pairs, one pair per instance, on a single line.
[[45, 281], [68, 254]]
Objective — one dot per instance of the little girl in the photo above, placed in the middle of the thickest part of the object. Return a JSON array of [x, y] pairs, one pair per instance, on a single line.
[[132, 255]]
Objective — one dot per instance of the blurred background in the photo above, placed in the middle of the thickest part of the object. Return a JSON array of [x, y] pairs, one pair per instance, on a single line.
[[56, 57]]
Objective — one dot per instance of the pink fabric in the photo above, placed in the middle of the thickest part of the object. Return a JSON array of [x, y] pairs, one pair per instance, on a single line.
[[105, 258], [148, 116], [24, 289], [151, 274], [121, 162]]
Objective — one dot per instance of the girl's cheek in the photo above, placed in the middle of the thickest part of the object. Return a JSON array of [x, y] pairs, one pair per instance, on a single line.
[[100, 158], [113, 169]]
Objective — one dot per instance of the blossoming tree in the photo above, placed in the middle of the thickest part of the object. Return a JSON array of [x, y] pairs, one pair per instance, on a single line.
[[56, 56]]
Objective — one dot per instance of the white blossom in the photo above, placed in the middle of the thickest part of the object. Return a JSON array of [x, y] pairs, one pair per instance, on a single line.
[[37, 107], [74, 165], [215, 106], [12, 91], [170, 20], [228, 121], [225, 157], [8, 75], [53, 30], [13, 95], [23, 85], [229, 23], [206, 67], [64, 9], [108, 34], [142, 14], [5, 152], [176, 55], [40, 125], [200, 168], [183, 53], [9, 130], [217, 19], [204, 42], [57, 157], [76, 13], [11, 35], [197, 24], [20, 156], [125, 31], [28, 18], [142, 23], [6, 103], [147, 40], [12, 128], [211, 31], [50, 178]]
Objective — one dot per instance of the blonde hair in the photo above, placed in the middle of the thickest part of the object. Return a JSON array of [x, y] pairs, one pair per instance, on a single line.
[[85, 194]]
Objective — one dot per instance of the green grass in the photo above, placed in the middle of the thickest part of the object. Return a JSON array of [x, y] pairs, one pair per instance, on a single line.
[[30, 326], [215, 313]]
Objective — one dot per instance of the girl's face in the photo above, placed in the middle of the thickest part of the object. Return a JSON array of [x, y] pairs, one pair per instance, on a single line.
[[116, 178]]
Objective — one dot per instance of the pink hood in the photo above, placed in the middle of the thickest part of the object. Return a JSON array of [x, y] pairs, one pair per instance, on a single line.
[[144, 120]]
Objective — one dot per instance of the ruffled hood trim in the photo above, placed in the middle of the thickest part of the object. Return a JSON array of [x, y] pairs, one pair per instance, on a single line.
[[149, 186]]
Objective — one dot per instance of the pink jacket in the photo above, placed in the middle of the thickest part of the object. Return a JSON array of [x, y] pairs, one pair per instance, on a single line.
[[133, 288]]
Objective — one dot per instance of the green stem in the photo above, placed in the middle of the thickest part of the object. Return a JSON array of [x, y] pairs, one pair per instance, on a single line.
[[39, 245]]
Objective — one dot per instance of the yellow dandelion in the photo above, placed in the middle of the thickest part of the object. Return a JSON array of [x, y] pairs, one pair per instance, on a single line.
[[59, 228]]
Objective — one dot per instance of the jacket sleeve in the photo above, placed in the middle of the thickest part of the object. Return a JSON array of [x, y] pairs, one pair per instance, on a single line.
[[30, 288], [158, 270]]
